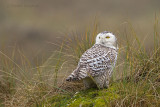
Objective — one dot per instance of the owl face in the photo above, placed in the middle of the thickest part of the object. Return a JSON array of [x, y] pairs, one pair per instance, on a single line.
[[106, 38]]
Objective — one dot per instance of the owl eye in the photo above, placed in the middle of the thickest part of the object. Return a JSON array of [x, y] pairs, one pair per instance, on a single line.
[[99, 37], [107, 37]]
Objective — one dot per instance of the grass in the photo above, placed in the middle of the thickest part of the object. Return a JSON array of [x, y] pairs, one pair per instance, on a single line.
[[135, 82], [118, 94]]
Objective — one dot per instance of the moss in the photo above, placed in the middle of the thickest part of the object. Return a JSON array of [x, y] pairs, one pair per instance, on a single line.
[[60, 100], [82, 102], [56, 101], [107, 97], [100, 102], [85, 98], [93, 97]]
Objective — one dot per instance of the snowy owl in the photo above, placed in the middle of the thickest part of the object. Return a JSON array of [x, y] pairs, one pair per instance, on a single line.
[[96, 65]]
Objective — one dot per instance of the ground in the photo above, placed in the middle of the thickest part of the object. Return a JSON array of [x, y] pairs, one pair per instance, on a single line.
[[116, 95]]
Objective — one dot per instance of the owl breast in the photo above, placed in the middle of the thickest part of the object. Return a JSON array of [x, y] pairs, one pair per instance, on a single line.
[[98, 59]]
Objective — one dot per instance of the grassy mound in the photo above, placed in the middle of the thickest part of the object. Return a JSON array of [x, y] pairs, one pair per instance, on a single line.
[[118, 94]]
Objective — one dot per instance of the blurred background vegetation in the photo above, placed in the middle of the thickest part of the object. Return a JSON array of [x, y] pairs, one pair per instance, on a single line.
[[32, 25]]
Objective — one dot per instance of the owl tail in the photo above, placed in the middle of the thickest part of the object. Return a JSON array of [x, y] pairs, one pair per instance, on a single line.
[[72, 77]]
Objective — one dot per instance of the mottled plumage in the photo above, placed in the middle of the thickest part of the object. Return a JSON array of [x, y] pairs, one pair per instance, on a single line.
[[96, 64]]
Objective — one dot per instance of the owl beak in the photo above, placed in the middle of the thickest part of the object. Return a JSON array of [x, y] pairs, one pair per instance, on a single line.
[[102, 42]]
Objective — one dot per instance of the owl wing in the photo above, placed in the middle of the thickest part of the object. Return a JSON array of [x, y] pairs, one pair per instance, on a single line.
[[96, 60]]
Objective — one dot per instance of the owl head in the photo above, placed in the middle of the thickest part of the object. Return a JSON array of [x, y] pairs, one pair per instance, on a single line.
[[106, 38]]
